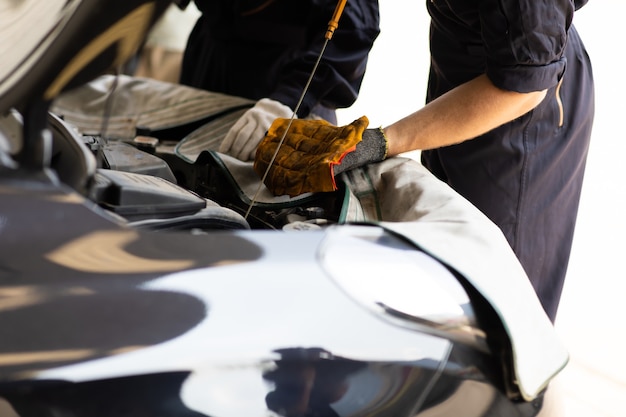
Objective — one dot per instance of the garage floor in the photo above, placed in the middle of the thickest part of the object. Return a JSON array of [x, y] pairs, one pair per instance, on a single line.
[[592, 316]]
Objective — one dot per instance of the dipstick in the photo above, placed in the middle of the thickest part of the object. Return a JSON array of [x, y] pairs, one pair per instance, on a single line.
[[332, 25]]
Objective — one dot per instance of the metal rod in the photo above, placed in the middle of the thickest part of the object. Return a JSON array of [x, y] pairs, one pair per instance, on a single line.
[[332, 25]]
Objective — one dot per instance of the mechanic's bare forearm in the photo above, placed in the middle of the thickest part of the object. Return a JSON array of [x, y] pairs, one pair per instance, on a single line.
[[463, 113]]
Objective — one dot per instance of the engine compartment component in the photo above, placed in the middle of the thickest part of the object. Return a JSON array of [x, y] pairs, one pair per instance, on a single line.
[[153, 187]]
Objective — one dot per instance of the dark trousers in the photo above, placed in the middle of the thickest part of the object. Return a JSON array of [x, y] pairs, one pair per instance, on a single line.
[[527, 175]]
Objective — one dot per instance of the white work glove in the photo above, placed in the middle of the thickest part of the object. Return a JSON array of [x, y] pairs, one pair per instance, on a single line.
[[243, 138]]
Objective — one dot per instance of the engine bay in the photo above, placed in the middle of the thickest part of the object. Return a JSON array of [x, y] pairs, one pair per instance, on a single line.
[[145, 182]]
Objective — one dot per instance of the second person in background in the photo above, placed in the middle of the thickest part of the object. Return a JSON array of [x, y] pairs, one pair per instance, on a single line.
[[265, 50]]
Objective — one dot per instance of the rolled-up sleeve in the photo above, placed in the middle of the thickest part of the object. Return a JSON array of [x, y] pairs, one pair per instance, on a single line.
[[524, 42]]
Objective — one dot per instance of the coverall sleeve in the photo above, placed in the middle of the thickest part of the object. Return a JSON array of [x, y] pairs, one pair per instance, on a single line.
[[338, 78], [525, 41]]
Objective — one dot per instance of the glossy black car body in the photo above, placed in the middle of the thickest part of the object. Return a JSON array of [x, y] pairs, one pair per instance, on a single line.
[[118, 299]]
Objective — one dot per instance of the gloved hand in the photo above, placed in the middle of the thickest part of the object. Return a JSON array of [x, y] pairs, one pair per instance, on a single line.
[[314, 151], [244, 136]]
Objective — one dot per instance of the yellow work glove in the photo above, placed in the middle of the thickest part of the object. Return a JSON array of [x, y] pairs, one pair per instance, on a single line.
[[312, 152]]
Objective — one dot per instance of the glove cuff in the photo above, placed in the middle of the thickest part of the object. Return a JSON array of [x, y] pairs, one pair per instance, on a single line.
[[274, 109], [372, 148]]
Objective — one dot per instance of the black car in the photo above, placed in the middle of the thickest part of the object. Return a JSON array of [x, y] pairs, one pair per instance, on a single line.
[[139, 278]]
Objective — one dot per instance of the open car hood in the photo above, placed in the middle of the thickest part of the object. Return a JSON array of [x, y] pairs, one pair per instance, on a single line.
[[50, 46]]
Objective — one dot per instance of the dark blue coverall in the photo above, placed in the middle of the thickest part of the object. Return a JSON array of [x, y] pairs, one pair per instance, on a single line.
[[526, 175], [267, 48]]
